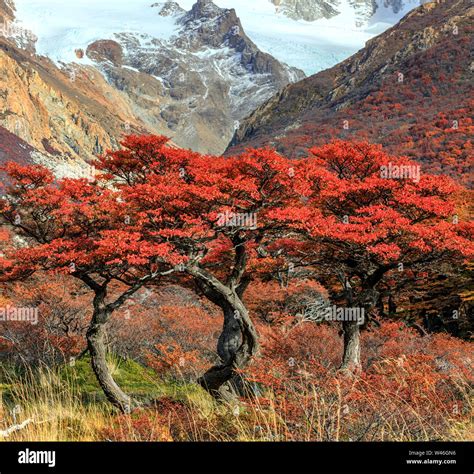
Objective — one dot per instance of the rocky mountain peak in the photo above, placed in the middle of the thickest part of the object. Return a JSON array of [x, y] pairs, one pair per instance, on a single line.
[[308, 10], [7, 9], [205, 9], [206, 24], [191, 75], [176, 84], [169, 8], [312, 10]]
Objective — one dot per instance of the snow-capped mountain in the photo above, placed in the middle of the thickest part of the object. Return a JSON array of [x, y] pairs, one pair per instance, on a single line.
[[191, 70], [189, 74], [313, 35], [198, 83], [307, 34]]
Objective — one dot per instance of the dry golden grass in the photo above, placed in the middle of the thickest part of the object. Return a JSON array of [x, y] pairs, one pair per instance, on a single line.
[[60, 413], [56, 409]]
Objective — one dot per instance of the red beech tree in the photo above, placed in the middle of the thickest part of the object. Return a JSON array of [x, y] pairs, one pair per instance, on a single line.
[[215, 212], [368, 214], [80, 228]]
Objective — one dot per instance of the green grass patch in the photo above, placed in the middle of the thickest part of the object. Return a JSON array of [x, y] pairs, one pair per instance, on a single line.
[[133, 378]]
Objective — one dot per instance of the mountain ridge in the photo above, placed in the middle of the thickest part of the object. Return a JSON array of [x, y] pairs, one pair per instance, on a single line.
[[193, 87], [198, 83], [301, 111]]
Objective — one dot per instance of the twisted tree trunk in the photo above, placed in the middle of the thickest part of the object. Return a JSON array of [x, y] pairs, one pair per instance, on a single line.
[[236, 347], [238, 341], [96, 345], [351, 356], [96, 336], [366, 300]]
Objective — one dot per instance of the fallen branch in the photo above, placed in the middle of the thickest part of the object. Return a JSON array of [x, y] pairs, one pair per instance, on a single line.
[[12, 429]]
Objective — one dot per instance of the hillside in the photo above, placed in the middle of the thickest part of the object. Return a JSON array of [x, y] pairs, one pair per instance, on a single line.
[[13, 148], [409, 89], [75, 78], [69, 115], [189, 74]]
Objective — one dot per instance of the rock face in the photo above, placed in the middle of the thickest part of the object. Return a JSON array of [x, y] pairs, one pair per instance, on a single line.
[[311, 10], [6, 11], [59, 117], [198, 84], [8, 28], [193, 86], [68, 115], [392, 92], [169, 8], [308, 10]]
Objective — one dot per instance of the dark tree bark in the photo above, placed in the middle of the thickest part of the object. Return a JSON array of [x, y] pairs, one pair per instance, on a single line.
[[97, 350], [351, 331], [237, 345], [351, 356], [366, 299], [392, 306], [96, 335], [381, 306], [238, 342]]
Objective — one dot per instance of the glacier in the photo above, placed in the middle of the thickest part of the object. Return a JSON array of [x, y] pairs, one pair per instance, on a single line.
[[63, 27]]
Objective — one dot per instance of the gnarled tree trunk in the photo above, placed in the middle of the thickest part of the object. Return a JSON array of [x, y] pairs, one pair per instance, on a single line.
[[366, 300], [96, 335], [351, 356], [97, 349], [96, 345], [237, 344]]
